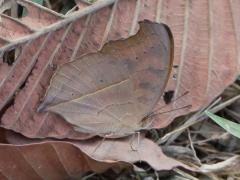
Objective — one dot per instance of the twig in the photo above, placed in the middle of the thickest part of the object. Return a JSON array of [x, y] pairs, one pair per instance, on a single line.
[[191, 121], [184, 174], [68, 19], [198, 117], [193, 149], [72, 10], [88, 176]]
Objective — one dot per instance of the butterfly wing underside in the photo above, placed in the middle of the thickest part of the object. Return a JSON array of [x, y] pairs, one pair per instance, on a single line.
[[113, 110], [111, 91]]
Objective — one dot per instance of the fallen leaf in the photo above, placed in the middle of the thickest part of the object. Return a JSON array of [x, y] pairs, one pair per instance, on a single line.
[[200, 53], [37, 159], [111, 28], [146, 151], [203, 46], [47, 39], [93, 154]]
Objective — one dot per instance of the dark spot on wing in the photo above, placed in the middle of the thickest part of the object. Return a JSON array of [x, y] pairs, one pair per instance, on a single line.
[[168, 95]]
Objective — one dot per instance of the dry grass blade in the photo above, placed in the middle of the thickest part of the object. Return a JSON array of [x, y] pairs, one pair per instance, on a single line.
[[196, 118], [229, 166]]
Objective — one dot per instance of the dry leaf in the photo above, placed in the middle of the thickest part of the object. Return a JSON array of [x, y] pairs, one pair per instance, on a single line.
[[111, 92], [82, 156], [203, 46], [37, 159], [146, 151], [200, 53]]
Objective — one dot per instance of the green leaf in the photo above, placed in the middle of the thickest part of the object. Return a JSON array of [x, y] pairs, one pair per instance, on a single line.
[[231, 127]]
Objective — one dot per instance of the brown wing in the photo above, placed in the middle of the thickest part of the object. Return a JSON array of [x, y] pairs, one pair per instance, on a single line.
[[112, 90]]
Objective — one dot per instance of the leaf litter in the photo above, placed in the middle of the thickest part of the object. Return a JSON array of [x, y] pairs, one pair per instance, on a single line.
[[211, 149]]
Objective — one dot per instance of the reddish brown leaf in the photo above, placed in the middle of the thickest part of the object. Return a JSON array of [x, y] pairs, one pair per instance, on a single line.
[[33, 159], [145, 151], [206, 56], [70, 157], [200, 54]]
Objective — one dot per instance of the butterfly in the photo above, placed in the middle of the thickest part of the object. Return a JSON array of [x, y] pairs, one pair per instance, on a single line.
[[111, 92]]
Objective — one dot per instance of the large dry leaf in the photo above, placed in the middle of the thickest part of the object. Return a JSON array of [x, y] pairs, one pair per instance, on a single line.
[[70, 159], [203, 46], [111, 92], [34, 159]]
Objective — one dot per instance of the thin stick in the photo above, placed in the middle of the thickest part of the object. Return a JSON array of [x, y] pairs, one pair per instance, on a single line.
[[72, 10], [187, 124], [192, 147], [53, 27], [198, 117], [184, 174]]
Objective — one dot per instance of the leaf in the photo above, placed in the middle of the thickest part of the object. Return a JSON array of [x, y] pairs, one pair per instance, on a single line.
[[231, 127], [200, 54], [35, 159], [47, 39], [41, 50], [146, 151], [111, 92], [62, 158]]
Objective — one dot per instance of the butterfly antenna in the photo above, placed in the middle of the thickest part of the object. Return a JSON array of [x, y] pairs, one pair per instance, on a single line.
[[187, 106], [155, 114], [174, 100]]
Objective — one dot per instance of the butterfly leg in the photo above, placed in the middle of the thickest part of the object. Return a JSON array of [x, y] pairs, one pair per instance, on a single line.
[[138, 144], [132, 141]]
